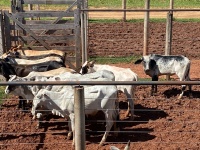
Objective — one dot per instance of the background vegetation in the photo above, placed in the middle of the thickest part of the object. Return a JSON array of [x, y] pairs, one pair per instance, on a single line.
[[140, 3], [2, 94]]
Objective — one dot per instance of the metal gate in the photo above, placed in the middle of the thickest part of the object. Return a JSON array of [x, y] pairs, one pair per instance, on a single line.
[[39, 29]]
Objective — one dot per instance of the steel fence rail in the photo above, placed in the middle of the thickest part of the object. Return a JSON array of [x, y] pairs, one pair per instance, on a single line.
[[137, 10], [79, 83]]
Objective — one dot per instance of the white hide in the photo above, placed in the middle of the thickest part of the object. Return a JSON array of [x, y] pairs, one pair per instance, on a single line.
[[98, 97], [19, 61], [38, 53], [157, 65], [102, 75], [29, 91], [50, 73], [121, 74], [167, 67]]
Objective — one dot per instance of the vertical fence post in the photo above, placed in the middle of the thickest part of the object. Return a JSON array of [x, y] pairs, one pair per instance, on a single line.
[[124, 12], [84, 24], [2, 36], [146, 28], [86, 29], [79, 112], [30, 7], [38, 8], [168, 42], [7, 31], [78, 39]]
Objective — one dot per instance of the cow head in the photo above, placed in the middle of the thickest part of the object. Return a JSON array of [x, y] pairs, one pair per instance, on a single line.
[[148, 63], [14, 88], [86, 67], [6, 69], [13, 52]]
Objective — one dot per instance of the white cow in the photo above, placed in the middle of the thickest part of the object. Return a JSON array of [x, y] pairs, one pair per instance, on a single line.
[[121, 74], [50, 73], [62, 104], [37, 53], [33, 76], [28, 92], [24, 91], [97, 97], [18, 61], [157, 65], [18, 52], [60, 101]]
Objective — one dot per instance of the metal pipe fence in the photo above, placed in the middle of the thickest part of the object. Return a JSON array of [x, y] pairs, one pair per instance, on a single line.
[[138, 10], [79, 83], [6, 132]]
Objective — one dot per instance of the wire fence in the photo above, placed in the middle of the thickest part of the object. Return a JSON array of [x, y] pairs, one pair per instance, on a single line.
[[158, 121]]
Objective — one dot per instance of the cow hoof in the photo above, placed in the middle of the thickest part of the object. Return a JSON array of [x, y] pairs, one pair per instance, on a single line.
[[100, 145], [180, 97], [69, 136]]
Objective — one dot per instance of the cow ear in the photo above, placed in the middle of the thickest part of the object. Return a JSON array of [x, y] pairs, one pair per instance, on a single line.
[[57, 78], [14, 49], [91, 63], [11, 76], [19, 47], [32, 78], [138, 61]]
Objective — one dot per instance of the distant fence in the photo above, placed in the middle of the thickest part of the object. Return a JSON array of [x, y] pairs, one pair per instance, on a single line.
[[146, 35]]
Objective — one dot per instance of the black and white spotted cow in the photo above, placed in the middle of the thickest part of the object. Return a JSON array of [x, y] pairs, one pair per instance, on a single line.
[[157, 65]]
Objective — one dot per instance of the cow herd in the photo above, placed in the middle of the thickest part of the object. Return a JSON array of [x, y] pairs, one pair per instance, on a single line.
[[28, 65]]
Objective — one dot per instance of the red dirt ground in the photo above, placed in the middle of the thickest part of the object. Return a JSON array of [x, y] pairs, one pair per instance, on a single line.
[[162, 121]]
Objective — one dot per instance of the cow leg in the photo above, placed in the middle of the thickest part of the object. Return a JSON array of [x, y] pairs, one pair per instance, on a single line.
[[72, 127], [70, 134], [183, 87], [116, 124], [189, 87], [154, 87], [110, 116], [40, 119], [130, 97], [22, 103], [190, 91]]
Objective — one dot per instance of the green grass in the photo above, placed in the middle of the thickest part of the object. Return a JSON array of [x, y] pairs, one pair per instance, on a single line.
[[2, 94], [130, 20], [141, 3], [142, 20], [115, 60], [187, 20]]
